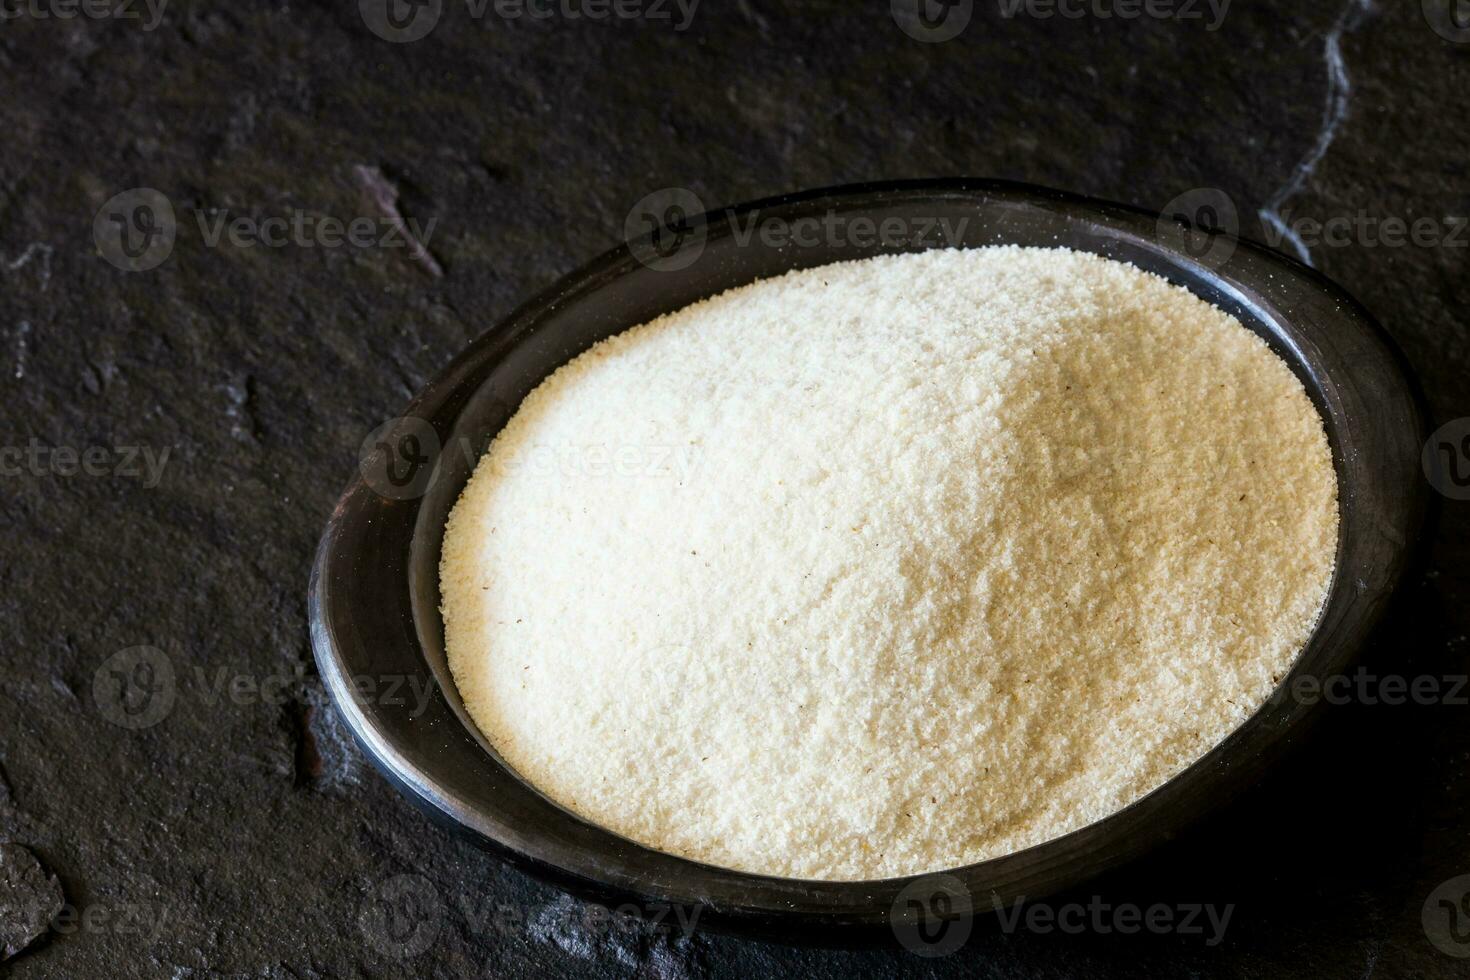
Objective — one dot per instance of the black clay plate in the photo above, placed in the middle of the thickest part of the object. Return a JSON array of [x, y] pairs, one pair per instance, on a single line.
[[374, 595]]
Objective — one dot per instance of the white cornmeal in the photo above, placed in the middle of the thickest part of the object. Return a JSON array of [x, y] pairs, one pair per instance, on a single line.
[[890, 566]]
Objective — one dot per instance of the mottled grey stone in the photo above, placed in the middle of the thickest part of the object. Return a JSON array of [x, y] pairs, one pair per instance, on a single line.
[[29, 898]]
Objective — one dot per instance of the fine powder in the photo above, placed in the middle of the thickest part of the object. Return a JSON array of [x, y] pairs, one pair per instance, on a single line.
[[890, 566]]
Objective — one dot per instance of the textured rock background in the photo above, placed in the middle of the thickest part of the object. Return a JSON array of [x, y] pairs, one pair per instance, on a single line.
[[237, 833]]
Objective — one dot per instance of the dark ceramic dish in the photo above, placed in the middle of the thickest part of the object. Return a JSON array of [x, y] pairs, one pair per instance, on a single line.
[[374, 597]]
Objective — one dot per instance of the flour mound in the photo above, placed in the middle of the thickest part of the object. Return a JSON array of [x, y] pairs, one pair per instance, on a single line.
[[890, 566]]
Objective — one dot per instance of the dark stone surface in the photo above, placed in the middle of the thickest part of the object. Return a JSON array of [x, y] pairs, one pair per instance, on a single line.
[[218, 826], [30, 897]]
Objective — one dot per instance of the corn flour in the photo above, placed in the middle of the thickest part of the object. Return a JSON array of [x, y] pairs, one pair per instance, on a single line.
[[890, 566]]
